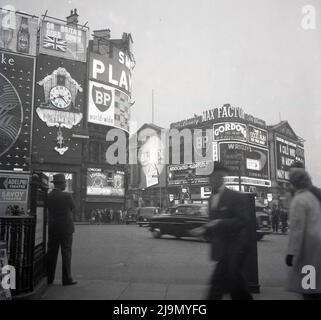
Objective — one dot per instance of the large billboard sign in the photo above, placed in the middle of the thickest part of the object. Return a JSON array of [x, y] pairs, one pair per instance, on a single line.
[[109, 89], [230, 113], [13, 192], [257, 136], [59, 103], [151, 159], [16, 100], [61, 40], [108, 106], [101, 182], [18, 31], [245, 160], [229, 131], [114, 70], [178, 173], [286, 153]]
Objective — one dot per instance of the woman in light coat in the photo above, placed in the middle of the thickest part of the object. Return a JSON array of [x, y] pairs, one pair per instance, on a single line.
[[304, 247]]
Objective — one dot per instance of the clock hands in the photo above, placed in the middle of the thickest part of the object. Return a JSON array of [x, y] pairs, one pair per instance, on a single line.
[[63, 98]]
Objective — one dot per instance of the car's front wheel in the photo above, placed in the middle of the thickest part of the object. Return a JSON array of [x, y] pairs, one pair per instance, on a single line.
[[156, 234]]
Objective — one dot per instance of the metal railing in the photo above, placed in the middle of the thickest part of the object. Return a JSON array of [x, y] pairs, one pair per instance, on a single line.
[[19, 235]]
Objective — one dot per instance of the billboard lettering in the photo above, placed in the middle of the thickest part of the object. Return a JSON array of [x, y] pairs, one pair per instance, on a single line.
[[245, 160], [286, 153], [65, 41], [257, 136], [115, 71], [229, 131]]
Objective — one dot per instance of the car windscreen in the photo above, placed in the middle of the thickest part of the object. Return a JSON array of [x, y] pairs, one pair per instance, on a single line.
[[192, 210], [147, 211]]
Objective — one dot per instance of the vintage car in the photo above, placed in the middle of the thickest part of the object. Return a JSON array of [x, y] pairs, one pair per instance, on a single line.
[[182, 218], [263, 222], [179, 220], [131, 216], [144, 215]]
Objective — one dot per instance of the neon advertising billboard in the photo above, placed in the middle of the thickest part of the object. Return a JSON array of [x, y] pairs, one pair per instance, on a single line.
[[286, 153], [229, 131], [245, 160], [109, 89], [59, 102], [16, 100], [101, 182]]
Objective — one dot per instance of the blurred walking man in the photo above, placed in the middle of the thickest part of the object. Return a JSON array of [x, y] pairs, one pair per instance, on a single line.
[[230, 239], [60, 230], [304, 248]]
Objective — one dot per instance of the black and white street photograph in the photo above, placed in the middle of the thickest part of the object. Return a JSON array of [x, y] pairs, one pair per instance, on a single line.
[[160, 152]]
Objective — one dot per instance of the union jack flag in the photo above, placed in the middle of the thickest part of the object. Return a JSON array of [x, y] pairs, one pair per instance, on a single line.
[[54, 43]]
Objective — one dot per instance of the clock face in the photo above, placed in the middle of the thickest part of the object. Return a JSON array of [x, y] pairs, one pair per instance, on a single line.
[[60, 97]]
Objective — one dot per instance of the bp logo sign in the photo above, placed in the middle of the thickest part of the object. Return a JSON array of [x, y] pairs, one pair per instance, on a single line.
[[102, 98]]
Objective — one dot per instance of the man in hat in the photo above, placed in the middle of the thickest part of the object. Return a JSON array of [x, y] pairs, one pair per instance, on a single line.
[[60, 230], [299, 166], [229, 236]]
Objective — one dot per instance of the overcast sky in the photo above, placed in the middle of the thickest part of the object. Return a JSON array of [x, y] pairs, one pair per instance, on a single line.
[[198, 55]]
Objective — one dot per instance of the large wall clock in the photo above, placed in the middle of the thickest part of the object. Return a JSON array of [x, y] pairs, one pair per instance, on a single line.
[[60, 97]]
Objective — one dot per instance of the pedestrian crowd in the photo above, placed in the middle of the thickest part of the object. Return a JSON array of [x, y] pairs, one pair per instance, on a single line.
[[99, 216], [279, 215]]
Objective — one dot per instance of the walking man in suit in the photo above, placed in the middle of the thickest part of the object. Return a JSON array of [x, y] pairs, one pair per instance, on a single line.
[[60, 230], [230, 238]]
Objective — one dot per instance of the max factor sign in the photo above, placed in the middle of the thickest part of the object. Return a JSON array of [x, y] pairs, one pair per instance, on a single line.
[[227, 112]]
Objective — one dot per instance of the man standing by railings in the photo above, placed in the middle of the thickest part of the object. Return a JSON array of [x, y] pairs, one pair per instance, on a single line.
[[228, 231], [60, 230]]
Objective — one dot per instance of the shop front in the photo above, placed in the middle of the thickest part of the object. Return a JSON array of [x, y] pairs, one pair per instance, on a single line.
[[105, 191]]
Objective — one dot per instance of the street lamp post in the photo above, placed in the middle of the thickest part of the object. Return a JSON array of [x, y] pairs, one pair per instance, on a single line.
[[239, 172], [190, 178]]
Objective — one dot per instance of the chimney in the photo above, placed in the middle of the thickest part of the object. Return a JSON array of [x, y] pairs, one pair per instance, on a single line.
[[105, 34], [73, 17]]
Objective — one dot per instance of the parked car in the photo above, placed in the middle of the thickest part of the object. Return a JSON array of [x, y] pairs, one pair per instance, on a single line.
[[263, 222], [131, 216], [144, 215], [179, 221]]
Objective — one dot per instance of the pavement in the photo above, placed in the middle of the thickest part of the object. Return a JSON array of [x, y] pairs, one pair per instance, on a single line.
[[117, 290], [113, 262]]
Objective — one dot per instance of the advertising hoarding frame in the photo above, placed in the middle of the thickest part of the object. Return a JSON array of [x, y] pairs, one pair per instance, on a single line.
[[260, 129], [22, 203], [105, 193], [220, 124], [251, 146], [32, 51], [288, 141], [26, 116], [107, 66], [61, 43], [53, 122]]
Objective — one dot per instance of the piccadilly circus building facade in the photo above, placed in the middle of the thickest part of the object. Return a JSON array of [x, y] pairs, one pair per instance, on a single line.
[[63, 94], [257, 155]]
